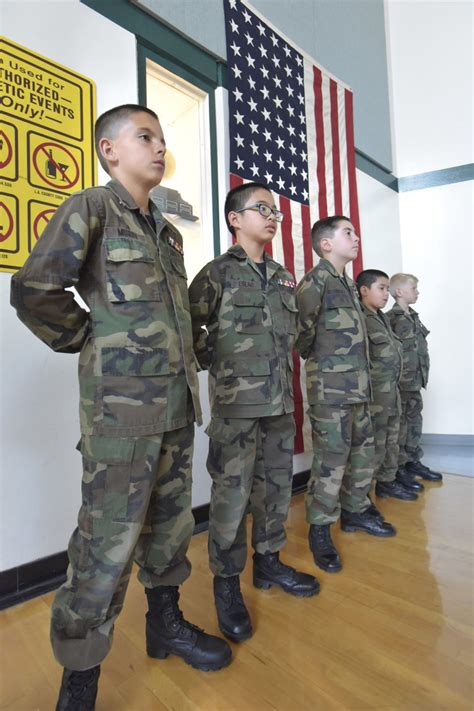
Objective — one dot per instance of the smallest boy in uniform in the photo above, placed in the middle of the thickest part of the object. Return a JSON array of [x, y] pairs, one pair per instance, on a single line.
[[406, 324], [385, 352], [333, 340], [244, 322]]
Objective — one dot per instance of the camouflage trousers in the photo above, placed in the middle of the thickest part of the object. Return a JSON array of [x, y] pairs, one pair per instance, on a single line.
[[411, 425], [136, 495], [386, 432], [251, 465], [343, 461]]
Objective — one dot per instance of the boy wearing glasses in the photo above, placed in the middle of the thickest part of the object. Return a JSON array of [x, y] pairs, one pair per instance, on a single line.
[[243, 313]]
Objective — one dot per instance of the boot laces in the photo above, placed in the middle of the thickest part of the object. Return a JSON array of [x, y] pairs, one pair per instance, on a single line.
[[232, 592], [174, 618]]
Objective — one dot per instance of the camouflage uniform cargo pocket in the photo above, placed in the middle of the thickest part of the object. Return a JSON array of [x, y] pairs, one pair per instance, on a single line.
[[341, 375], [380, 345], [290, 312], [248, 309], [130, 266], [243, 382]]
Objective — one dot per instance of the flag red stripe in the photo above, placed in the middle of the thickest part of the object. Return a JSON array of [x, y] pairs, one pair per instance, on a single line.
[[320, 149], [351, 170], [307, 246], [289, 256], [336, 162]]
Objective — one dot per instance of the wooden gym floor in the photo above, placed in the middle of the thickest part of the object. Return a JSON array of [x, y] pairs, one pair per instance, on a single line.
[[393, 631]]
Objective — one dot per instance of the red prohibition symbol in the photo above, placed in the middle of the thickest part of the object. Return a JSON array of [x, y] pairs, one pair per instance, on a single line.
[[45, 215], [5, 230], [4, 139], [50, 169]]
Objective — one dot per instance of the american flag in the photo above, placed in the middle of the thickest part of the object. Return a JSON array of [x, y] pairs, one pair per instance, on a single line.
[[290, 127]]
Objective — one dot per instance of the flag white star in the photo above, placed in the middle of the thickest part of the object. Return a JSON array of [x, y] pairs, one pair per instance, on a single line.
[[254, 148], [232, 4], [239, 163], [279, 121], [268, 156], [276, 61], [252, 104], [239, 117], [290, 90], [281, 183], [250, 61], [291, 130], [254, 170], [292, 169], [252, 83], [247, 17], [302, 117], [253, 127], [305, 194], [304, 156], [280, 142], [299, 79], [278, 102], [304, 174], [265, 92], [287, 51], [301, 98], [263, 51], [240, 141], [235, 48], [292, 149], [281, 163], [264, 71], [274, 39], [266, 114], [234, 26], [288, 71], [290, 110], [302, 136], [249, 38], [261, 29], [268, 177], [299, 60], [267, 135], [238, 94], [277, 81], [237, 72], [292, 189]]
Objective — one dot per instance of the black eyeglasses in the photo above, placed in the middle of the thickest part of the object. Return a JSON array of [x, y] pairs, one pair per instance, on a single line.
[[264, 210]]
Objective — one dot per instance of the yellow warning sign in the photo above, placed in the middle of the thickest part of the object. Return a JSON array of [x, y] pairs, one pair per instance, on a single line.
[[47, 114]]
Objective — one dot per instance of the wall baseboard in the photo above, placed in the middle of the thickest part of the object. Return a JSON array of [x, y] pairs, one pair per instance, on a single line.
[[448, 440], [41, 576]]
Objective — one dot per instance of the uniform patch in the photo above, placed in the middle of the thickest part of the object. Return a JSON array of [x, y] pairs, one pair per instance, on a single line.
[[176, 245], [286, 282]]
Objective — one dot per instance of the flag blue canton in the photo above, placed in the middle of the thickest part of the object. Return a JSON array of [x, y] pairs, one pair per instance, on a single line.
[[267, 123]]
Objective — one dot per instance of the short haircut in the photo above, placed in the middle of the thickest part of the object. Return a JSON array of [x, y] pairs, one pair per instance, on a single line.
[[109, 124], [324, 229], [399, 280], [237, 197], [368, 277]]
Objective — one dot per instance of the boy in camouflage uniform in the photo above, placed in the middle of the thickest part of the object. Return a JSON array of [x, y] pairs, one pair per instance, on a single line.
[[333, 340], [138, 401], [244, 321], [385, 352], [406, 324]]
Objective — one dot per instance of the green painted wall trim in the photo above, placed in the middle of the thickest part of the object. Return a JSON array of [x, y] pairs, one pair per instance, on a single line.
[[436, 178]]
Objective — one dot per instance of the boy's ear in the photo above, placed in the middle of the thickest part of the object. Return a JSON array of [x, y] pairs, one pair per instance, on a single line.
[[363, 291], [106, 147], [233, 218], [325, 244]]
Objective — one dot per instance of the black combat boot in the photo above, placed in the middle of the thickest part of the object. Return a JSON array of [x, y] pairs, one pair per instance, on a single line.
[[395, 490], [232, 615], [408, 481], [268, 570], [324, 553], [351, 521], [78, 690], [167, 632], [373, 511], [419, 469]]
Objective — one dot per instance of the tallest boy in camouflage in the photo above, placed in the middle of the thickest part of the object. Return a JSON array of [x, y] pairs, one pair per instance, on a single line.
[[138, 401]]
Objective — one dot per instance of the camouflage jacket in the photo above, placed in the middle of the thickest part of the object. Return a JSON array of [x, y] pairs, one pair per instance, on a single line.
[[412, 333], [136, 360], [244, 331], [332, 337], [385, 352]]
